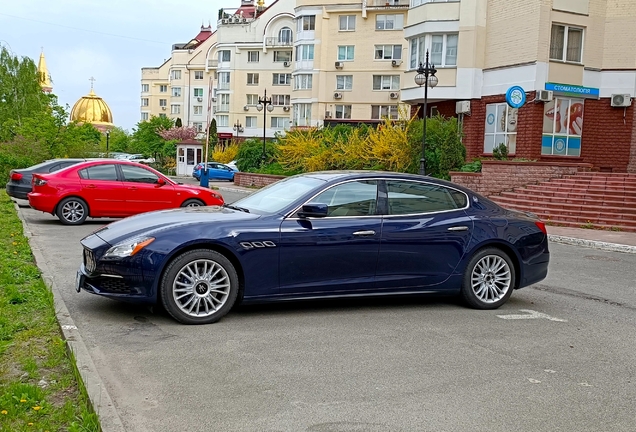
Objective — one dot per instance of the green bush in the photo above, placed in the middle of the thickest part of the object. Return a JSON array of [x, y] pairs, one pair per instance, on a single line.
[[500, 152], [474, 166], [250, 154], [444, 149]]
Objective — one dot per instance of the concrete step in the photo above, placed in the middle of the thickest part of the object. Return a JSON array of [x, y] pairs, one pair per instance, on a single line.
[[566, 198], [582, 189], [560, 204]]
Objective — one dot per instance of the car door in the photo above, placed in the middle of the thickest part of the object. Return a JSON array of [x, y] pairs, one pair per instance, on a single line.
[[335, 253], [424, 235], [102, 190], [144, 192]]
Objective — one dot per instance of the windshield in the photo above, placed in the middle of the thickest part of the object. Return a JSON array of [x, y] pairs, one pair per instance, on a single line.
[[277, 196]]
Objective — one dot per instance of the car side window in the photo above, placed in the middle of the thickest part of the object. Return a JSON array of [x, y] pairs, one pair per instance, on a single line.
[[100, 172], [138, 174], [354, 198], [55, 167], [411, 197]]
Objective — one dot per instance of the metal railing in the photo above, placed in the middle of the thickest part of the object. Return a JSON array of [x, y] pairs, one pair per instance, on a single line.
[[276, 42], [213, 63]]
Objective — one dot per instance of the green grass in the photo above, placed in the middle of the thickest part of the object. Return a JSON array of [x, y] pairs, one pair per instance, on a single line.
[[40, 389]]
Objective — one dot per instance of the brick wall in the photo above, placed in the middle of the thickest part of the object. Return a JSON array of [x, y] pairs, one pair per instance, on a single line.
[[631, 167], [255, 180], [499, 176]]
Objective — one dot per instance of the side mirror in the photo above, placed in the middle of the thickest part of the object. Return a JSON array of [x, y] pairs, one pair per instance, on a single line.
[[160, 182], [313, 210]]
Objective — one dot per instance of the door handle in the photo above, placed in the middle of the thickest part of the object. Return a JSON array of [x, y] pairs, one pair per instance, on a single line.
[[458, 228], [132, 188], [364, 233], [91, 186]]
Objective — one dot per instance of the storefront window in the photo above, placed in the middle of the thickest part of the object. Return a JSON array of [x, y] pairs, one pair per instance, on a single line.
[[562, 127], [501, 127]]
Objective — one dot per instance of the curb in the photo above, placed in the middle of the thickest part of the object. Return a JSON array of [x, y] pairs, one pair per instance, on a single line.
[[612, 247], [231, 189], [100, 399]]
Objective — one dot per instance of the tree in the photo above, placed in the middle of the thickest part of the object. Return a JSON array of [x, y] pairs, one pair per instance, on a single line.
[[178, 123], [146, 138], [119, 141]]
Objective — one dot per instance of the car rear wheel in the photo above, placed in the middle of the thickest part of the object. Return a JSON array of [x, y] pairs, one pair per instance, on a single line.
[[488, 280], [193, 203], [199, 287], [72, 211]]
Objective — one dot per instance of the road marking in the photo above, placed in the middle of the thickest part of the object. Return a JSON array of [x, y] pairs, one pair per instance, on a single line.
[[530, 314], [69, 327]]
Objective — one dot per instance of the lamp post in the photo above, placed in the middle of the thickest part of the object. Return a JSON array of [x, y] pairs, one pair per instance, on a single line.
[[238, 127], [425, 77], [265, 102], [107, 143]]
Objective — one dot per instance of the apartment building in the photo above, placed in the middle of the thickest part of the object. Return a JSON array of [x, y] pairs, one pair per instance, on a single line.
[[328, 62]]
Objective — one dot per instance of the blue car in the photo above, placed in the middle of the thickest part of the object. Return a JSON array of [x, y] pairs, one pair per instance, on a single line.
[[216, 171], [317, 235]]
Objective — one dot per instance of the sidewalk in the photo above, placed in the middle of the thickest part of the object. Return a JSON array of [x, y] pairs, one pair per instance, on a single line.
[[598, 239]]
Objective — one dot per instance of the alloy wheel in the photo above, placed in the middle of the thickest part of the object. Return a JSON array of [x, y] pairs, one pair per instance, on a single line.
[[73, 211], [491, 278], [201, 288]]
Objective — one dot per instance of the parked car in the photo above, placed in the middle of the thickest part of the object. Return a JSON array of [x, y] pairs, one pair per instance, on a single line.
[[216, 171], [329, 234], [233, 165], [137, 158], [19, 184], [112, 188]]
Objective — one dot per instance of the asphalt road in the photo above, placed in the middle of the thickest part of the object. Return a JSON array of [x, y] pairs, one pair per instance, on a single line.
[[559, 356]]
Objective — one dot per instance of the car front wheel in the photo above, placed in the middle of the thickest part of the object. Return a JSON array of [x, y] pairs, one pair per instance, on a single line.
[[488, 280], [72, 211], [192, 203], [199, 287]]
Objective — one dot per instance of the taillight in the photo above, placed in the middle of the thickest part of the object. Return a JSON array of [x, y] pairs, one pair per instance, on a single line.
[[39, 181], [16, 176], [541, 226]]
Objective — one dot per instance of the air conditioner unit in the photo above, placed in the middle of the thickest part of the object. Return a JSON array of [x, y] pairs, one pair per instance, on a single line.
[[213, 99], [237, 20], [163, 108], [286, 64], [336, 95], [621, 100], [462, 107], [224, 21], [286, 108], [394, 95], [545, 95], [339, 65], [200, 99], [246, 108], [328, 114], [244, 20], [396, 63]]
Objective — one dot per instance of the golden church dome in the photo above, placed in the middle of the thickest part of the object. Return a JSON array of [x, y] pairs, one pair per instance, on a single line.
[[92, 109]]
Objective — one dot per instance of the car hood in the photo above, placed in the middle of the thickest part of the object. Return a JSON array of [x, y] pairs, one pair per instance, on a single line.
[[153, 222]]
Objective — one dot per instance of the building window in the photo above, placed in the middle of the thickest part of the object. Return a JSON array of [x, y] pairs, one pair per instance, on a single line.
[[224, 103], [347, 22], [282, 56], [252, 57], [389, 22], [198, 126], [252, 99], [144, 116], [224, 80], [388, 52], [306, 23], [379, 112], [345, 52], [343, 111], [443, 50], [280, 122], [501, 127], [163, 102], [222, 120], [176, 74], [145, 88], [303, 82], [285, 36], [198, 75], [198, 109], [175, 109], [566, 43], [198, 92], [302, 114], [280, 100], [281, 79], [305, 52], [162, 115], [250, 122], [144, 101], [344, 82], [252, 79], [163, 89], [386, 82], [176, 91], [562, 127], [225, 55]]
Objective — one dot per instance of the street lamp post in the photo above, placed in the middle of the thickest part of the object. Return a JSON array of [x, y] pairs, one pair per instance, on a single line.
[[238, 128], [265, 102], [107, 143], [425, 77]]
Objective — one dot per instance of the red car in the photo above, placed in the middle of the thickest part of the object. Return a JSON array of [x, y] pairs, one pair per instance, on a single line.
[[112, 188]]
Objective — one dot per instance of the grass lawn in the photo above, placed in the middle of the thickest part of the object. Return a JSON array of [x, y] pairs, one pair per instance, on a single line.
[[39, 385]]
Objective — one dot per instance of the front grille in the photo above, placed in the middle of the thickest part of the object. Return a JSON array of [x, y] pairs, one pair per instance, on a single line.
[[89, 260], [114, 285]]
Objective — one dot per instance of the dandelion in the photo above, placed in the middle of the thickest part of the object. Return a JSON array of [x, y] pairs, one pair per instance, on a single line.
[[12, 235], [22, 400], [37, 408], [4, 412], [30, 424], [15, 243], [15, 252]]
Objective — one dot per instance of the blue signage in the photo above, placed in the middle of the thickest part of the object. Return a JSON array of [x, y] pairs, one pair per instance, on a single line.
[[573, 90], [516, 97]]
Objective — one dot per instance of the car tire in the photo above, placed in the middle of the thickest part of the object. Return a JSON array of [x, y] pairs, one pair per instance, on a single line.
[[489, 279], [193, 203], [72, 211], [199, 287]]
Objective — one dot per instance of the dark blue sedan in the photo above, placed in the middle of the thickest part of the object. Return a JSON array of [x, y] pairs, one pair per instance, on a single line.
[[216, 171], [316, 235]]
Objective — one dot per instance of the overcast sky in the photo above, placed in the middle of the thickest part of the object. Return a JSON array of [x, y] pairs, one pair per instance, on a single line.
[[109, 40]]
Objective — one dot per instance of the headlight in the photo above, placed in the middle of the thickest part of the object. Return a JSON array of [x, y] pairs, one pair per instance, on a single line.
[[128, 247]]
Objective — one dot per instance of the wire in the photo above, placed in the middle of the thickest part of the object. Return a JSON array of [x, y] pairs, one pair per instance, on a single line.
[[84, 30]]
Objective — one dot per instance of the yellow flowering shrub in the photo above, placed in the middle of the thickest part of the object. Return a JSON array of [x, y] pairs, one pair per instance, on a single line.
[[226, 154]]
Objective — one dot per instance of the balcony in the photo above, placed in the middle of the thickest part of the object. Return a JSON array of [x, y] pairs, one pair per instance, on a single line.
[[223, 86], [276, 42], [213, 63], [223, 108], [388, 4]]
